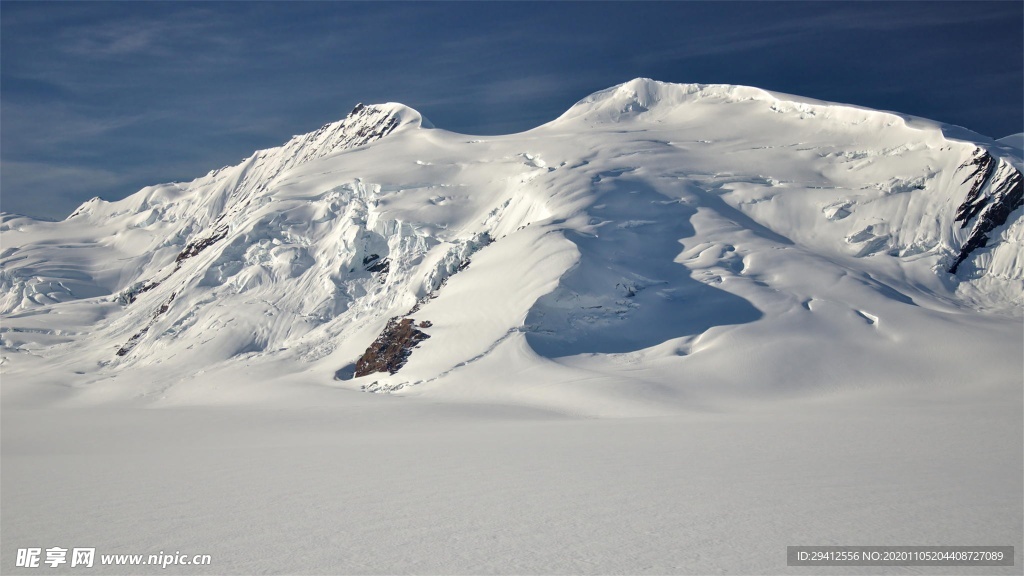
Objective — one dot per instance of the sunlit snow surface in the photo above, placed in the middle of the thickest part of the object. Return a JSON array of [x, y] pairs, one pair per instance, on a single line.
[[673, 331]]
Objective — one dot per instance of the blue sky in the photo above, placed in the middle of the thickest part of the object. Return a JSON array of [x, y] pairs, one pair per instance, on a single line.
[[100, 99]]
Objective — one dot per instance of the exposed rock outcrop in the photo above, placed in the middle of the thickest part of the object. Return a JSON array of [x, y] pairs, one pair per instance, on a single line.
[[988, 211], [194, 247], [392, 348], [130, 294]]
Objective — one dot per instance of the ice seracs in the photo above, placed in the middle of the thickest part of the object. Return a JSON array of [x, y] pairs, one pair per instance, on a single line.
[[656, 237]]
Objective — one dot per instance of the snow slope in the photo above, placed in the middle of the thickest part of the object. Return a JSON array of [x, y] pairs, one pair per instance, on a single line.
[[1013, 140], [821, 299], [659, 227]]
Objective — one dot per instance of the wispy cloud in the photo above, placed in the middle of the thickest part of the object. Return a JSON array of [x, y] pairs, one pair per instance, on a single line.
[[805, 20], [45, 127], [53, 189], [159, 35]]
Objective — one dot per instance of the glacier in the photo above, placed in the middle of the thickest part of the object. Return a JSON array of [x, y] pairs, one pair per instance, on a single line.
[[648, 217], [686, 259]]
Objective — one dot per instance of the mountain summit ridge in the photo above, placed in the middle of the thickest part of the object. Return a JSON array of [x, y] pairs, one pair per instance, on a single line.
[[641, 95], [368, 123]]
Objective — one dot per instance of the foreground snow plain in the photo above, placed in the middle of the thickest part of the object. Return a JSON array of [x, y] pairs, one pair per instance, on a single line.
[[673, 331], [387, 485]]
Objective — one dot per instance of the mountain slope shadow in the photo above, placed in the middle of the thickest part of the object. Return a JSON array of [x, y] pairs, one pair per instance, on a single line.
[[626, 292]]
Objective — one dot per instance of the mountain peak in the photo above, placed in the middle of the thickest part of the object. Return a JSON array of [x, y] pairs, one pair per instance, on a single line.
[[403, 115], [637, 97], [364, 124], [652, 100], [646, 92]]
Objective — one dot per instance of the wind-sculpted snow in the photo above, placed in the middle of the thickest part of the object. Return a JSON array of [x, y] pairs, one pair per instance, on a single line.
[[653, 230]]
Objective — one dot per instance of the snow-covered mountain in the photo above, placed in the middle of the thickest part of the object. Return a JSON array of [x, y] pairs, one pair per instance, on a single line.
[[656, 244]]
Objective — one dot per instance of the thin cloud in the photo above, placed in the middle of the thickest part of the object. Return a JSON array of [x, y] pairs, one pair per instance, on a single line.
[[63, 125], [706, 41], [144, 36], [53, 189]]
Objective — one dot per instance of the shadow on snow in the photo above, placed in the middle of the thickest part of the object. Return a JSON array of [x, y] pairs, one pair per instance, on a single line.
[[626, 292]]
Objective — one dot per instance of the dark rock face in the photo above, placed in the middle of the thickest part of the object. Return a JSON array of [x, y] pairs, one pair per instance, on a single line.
[[391, 349], [369, 129], [196, 246], [165, 306], [124, 350], [131, 294], [363, 125], [375, 264], [130, 344], [984, 164], [1006, 194]]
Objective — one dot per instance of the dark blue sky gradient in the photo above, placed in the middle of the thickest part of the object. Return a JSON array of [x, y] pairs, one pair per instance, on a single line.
[[104, 98]]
